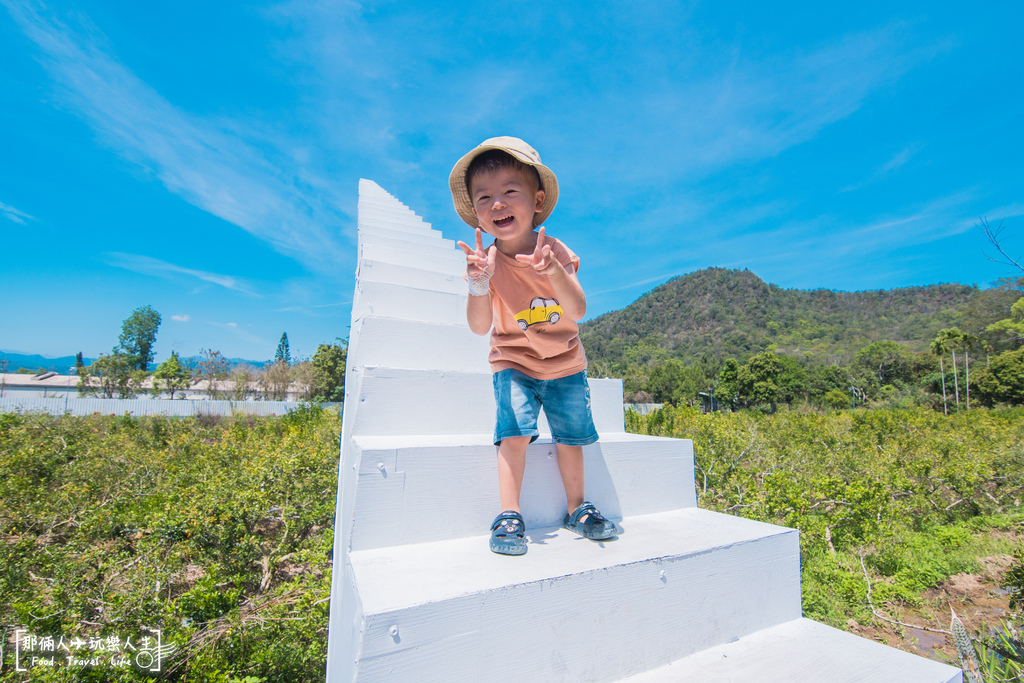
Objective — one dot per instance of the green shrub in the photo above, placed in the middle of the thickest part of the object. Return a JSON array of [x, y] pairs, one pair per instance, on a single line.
[[216, 532]]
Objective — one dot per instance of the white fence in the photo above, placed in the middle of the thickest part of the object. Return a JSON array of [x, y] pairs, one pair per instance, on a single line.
[[148, 406]]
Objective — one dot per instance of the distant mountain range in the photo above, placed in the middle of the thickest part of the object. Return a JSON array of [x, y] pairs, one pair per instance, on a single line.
[[14, 361], [64, 364], [720, 313]]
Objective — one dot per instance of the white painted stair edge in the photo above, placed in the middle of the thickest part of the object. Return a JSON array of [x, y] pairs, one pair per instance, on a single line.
[[682, 594], [801, 650]]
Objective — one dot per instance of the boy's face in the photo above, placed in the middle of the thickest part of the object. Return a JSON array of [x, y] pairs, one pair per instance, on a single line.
[[505, 203]]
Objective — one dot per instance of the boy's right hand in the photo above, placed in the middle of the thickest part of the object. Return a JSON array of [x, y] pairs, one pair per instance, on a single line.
[[479, 262]]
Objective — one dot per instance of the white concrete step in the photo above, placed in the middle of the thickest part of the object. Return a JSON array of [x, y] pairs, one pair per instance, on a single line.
[[450, 263], [409, 224], [399, 402], [431, 237], [802, 650], [442, 249], [385, 342], [413, 278], [571, 609], [453, 482], [399, 301], [383, 206]]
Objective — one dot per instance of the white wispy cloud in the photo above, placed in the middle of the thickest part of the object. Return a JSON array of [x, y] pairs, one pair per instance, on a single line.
[[310, 309], [631, 285], [240, 332], [212, 165], [901, 158], [183, 318], [12, 214], [148, 265]]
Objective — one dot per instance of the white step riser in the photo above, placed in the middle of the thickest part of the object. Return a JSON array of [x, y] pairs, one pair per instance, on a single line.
[[449, 264], [803, 650], [422, 251], [384, 342], [415, 278], [410, 402], [385, 202], [433, 237], [372, 206], [395, 224], [400, 484], [594, 626], [393, 301]]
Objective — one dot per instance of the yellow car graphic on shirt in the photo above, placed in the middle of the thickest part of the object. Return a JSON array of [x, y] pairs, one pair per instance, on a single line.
[[541, 310]]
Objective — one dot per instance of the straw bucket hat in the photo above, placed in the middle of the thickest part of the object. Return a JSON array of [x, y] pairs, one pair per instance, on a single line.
[[519, 150]]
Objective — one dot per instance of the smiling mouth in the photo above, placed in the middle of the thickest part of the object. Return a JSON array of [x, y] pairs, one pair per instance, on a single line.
[[504, 221]]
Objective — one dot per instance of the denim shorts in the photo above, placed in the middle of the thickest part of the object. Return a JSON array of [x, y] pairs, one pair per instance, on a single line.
[[566, 402]]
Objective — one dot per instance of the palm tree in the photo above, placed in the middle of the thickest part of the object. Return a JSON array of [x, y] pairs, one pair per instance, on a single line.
[[952, 338], [968, 340], [938, 347]]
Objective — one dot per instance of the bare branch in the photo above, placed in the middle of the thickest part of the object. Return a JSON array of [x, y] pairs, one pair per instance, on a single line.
[[882, 616], [993, 236]]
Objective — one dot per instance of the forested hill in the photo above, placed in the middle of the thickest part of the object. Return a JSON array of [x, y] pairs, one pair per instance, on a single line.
[[722, 313]]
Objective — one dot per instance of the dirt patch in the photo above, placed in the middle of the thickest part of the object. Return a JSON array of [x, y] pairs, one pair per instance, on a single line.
[[978, 599], [193, 572]]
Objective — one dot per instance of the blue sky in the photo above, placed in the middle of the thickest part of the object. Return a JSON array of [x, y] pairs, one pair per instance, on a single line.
[[203, 158]]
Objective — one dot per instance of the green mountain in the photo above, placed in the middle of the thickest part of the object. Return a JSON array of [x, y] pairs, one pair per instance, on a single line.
[[719, 313]]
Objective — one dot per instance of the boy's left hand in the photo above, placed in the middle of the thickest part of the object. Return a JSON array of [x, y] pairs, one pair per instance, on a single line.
[[542, 259]]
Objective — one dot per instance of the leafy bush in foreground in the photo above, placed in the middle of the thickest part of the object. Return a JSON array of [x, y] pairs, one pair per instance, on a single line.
[[909, 491], [216, 532]]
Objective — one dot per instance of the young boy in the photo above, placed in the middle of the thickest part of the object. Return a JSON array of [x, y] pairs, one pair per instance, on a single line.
[[524, 286]]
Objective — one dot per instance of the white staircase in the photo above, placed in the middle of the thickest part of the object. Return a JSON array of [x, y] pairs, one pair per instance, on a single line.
[[681, 595]]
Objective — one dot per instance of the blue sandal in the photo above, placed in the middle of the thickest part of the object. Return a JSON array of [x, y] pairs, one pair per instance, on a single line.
[[594, 527], [508, 534]]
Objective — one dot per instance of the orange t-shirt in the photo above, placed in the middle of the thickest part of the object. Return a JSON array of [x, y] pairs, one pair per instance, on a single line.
[[529, 332]]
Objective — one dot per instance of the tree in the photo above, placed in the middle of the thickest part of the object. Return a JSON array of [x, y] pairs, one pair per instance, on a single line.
[[79, 363], [1003, 381], [954, 337], [939, 348], [242, 379], [837, 399], [822, 379], [174, 375], [275, 380], [111, 377], [759, 379], [304, 380], [951, 338], [886, 359], [792, 380], [1012, 326], [329, 372], [212, 367], [138, 334], [283, 354], [728, 381], [968, 341]]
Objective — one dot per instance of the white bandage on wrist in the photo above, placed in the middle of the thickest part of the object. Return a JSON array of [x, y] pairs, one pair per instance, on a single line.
[[478, 284]]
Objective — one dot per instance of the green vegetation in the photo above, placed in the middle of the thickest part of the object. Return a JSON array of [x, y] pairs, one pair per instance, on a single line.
[[751, 344], [124, 372], [217, 532], [283, 353], [138, 334], [904, 498]]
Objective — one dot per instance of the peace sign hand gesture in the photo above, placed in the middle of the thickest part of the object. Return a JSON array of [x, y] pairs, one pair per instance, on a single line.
[[542, 259], [479, 264]]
